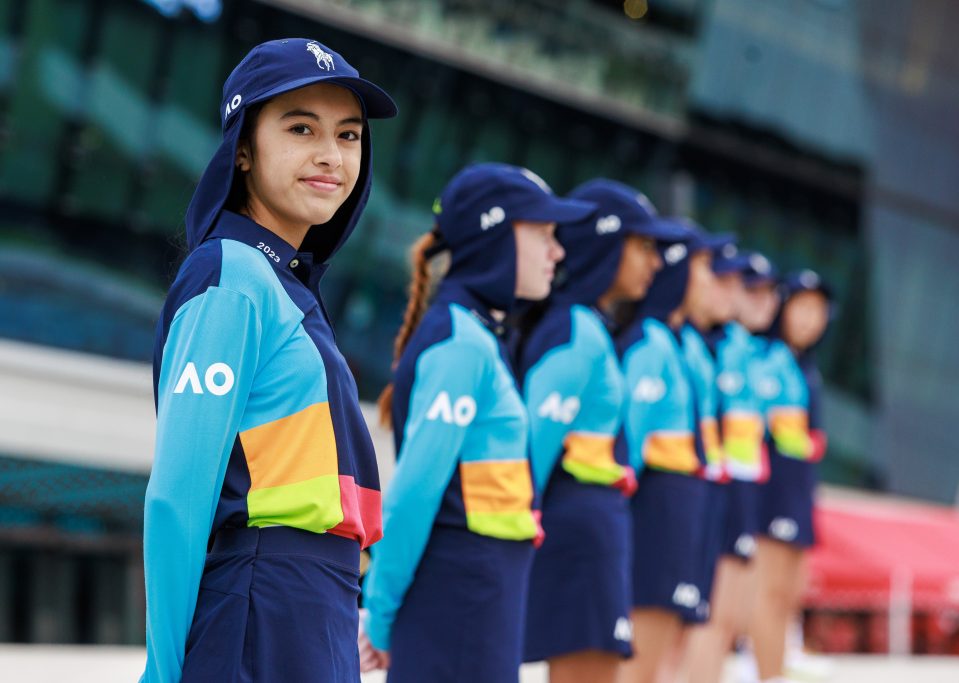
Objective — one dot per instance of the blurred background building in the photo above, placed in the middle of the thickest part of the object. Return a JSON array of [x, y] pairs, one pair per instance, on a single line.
[[823, 132]]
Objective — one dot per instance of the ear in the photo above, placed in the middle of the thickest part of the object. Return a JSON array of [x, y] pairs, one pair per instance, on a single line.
[[244, 159]]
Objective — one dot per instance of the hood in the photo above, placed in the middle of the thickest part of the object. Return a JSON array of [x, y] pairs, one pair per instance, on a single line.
[[475, 215], [594, 245], [668, 290], [271, 69]]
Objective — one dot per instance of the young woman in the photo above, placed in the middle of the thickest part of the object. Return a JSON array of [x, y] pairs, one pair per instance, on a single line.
[[742, 430], [446, 592], [264, 484], [579, 602], [666, 443], [795, 443]]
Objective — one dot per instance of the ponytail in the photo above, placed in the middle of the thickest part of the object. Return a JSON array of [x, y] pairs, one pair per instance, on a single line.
[[422, 251]]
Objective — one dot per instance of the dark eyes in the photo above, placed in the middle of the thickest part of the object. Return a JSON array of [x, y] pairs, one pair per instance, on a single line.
[[304, 129]]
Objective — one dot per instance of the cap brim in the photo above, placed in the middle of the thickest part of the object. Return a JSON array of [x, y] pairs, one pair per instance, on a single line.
[[660, 229], [377, 104], [711, 242], [736, 264], [557, 210]]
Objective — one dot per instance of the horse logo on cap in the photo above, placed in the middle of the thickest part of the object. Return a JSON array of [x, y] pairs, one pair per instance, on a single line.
[[324, 59]]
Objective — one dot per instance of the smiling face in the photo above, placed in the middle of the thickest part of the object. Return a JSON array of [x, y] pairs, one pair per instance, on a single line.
[[537, 253], [303, 159]]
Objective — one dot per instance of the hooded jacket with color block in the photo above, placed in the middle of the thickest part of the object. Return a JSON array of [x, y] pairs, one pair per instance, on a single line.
[[740, 410], [703, 373], [258, 418], [661, 420], [461, 435], [794, 283]]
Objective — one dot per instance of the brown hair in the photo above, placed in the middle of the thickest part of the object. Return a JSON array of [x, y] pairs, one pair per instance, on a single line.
[[419, 291], [238, 197]]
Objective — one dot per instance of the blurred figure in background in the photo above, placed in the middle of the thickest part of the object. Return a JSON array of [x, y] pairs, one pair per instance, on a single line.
[[663, 435], [263, 457], [791, 389], [746, 290], [579, 594], [446, 592]]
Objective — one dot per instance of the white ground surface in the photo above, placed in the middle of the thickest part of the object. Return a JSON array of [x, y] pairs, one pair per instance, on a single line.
[[98, 664]]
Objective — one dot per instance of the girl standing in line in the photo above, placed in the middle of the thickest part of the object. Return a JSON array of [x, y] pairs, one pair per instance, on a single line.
[[666, 444], [446, 592], [579, 602], [264, 484], [740, 277], [796, 443]]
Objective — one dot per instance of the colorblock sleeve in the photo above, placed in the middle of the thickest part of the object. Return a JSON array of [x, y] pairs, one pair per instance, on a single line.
[[788, 414], [447, 390], [553, 394], [207, 368], [742, 422], [657, 422]]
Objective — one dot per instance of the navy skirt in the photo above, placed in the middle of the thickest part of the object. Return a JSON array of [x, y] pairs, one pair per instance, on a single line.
[[276, 604], [670, 544], [462, 618], [786, 508], [742, 520], [579, 592]]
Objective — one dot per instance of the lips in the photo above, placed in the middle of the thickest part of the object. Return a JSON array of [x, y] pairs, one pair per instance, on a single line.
[[323, 183]]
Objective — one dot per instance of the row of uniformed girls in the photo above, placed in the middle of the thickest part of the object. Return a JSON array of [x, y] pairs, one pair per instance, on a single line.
[[264, 486], [681, 396]]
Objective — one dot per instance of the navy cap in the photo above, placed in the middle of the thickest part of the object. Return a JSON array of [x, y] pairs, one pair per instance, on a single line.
[[728, 259], [474, 216], [700, 240], [805, 280], [487, 196], [278, 66], [759, 271], [622, 207]]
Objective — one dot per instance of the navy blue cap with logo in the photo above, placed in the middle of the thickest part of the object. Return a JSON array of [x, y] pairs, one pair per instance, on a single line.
[[728, 259], [268, 70], [759, 270], [594, 245], [474, 219], [669, 286]]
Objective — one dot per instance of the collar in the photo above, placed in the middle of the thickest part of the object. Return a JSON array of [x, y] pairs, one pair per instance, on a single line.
[[275, 249], [452, 292]]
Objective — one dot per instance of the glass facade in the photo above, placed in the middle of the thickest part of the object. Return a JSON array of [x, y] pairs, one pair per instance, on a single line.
[[109, 113]]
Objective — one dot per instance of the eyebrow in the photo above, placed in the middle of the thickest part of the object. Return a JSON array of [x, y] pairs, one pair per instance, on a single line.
[[310, 115]]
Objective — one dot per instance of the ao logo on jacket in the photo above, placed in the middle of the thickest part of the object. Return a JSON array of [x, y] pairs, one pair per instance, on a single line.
[[218, 379], [559, 409], [649, 390], [459, 412]]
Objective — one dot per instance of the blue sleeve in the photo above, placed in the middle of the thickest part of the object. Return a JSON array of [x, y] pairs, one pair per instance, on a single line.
[[553, 394], [658, 423], [450, 377], [645, 373], [207, 368]]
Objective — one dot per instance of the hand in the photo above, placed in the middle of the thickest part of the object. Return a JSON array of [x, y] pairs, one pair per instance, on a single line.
[[370, 658]]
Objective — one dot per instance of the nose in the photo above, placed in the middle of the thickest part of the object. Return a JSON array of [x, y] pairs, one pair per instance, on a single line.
[[327, 152], [558, 252], [657, 260]]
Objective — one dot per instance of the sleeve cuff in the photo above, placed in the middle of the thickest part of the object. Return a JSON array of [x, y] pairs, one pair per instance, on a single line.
[[378, 632]]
